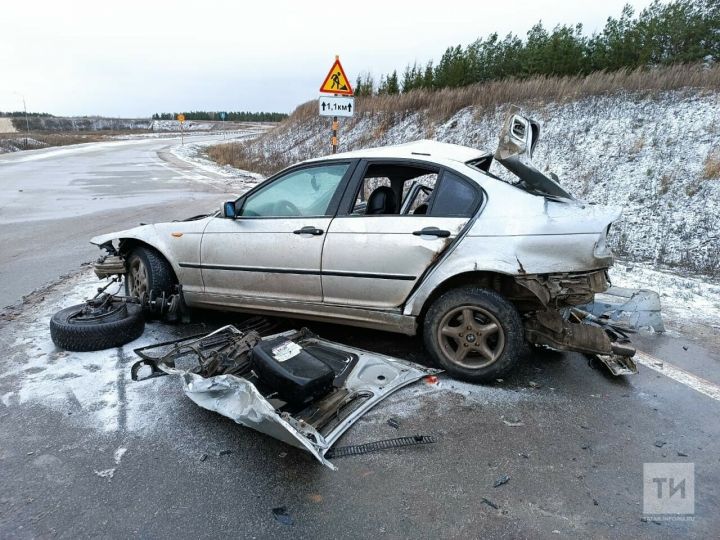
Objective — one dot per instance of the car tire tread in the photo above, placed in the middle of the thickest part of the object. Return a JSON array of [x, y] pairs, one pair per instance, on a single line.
[[95, 337]]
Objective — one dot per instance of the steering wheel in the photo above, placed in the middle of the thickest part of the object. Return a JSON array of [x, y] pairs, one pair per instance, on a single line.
[[290, 207]]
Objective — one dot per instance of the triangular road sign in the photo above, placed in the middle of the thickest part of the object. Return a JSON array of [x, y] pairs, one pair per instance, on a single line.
[[336, 81]]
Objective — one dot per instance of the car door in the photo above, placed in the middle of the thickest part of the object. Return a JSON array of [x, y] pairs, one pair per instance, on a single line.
[[273, 247], [375, 260]]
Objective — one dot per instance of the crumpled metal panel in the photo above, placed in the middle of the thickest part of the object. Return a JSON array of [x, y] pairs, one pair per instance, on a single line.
[[239, 400], [635, 308], [375, 375]]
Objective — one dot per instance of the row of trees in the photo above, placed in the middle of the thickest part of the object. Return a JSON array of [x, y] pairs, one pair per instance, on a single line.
[[22, 113], [664, 33], [231, 116]]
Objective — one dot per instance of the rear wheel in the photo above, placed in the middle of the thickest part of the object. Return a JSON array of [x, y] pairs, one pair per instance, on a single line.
[[149, 274], [474, 334]]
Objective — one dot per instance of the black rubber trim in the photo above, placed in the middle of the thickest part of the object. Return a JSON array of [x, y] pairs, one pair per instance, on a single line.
[[398, 277]]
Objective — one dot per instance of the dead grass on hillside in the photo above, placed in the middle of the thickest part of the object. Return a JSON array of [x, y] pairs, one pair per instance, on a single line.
[[240, 156], [711, 168], [62, 138], [440, 105]]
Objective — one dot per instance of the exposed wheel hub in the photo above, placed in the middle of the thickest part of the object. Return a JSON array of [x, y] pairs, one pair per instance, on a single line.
[[471, 337]]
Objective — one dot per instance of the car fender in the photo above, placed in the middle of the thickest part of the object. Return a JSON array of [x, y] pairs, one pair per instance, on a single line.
[[178, 240]]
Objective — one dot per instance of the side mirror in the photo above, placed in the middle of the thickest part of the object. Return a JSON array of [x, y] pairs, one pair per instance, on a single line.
[[229, 210]]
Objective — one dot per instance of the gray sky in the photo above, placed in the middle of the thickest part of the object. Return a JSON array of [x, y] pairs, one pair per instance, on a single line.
[[133, 58]]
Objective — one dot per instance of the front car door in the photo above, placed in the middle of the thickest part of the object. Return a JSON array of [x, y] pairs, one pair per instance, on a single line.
[[273, 248], [381, 242]]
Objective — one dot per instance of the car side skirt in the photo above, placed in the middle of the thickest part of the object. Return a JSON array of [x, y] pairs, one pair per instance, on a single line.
[[389, 321]]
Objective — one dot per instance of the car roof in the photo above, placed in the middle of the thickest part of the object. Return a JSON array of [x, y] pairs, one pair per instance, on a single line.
[[418, 149]]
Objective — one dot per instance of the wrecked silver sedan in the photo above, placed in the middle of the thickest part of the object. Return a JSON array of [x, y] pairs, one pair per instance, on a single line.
[[418, 238]]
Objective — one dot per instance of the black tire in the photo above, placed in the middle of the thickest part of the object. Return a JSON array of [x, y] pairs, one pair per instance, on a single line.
[[489, 349], [95, 336], [160, 277]]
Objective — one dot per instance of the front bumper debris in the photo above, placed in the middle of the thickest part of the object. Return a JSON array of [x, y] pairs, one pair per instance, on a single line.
[[109, 265]]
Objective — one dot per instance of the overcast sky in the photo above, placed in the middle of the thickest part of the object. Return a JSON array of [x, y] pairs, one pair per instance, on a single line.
[[133, 58]]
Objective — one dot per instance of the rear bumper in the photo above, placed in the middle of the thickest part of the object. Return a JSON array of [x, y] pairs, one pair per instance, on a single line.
[[566, 289]]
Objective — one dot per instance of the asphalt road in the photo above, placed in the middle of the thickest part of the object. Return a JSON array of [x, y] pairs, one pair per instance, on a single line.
[[52, 201], [87, 453]]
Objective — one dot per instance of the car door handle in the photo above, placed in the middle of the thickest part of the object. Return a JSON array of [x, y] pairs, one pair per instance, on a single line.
[[309, 230], [432, 231]]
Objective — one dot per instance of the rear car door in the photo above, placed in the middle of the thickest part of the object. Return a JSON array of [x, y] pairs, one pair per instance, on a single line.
[[381, 243], [273, 248]]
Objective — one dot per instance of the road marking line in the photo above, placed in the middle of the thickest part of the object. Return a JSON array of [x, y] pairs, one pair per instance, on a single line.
[[680, 375]]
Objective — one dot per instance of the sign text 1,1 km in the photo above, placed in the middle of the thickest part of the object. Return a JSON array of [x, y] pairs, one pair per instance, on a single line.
[[336, 105]]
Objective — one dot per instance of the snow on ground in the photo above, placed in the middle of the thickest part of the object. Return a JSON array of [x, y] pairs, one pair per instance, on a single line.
[[195, 154], [6, 126], [684, 299], [95, 389], [95, 385]]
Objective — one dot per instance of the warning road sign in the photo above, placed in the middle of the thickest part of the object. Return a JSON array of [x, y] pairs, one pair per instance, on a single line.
[[181, 118], [336, 81]]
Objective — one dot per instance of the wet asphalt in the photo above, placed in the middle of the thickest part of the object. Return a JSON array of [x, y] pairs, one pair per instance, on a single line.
[[574, 450], [52, 201]]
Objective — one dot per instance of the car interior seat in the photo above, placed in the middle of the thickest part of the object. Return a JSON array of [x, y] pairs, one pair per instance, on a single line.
[[382, 201], [421, 209]]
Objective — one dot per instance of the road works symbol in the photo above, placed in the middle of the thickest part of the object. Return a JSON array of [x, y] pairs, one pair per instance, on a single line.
[[336, 81]]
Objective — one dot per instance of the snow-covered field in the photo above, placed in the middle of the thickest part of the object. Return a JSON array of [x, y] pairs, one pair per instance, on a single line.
[[6, 126], [643, 153], [194, 153]]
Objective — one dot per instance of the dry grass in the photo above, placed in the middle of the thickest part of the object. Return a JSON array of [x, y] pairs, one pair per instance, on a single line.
[[241, 157], [665, 183], [61, 138], [440, 105], [711, 168]]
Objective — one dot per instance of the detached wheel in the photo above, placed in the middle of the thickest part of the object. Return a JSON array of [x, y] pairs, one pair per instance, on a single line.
[[149, 274], [474, 334], [94, 327]]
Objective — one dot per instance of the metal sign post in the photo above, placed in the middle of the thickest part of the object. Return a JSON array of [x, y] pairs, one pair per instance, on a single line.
[[341, 103], [181, 119]]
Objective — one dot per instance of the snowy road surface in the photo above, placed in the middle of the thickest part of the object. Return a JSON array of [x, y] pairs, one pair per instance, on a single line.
[[87, 452], [52, 201]]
